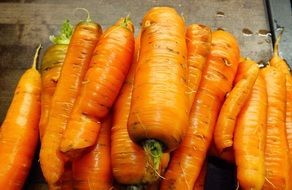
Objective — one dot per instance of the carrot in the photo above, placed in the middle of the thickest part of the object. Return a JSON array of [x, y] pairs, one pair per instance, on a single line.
[[50, 70], [19, 131], [80, 49], [200, 183], [218, 76], [249, 136], [227, 154], [93, 170], [198, 44], [109, 67], [223, 134], [282, 65], [276, 148], [159, 106]]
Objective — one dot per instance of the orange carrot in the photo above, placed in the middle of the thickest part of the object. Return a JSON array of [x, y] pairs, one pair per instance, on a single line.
[[198, 43], [93, 170], [102, 83], [159, 106], [80, 49], [19, 131], [223, 134], [249, 136], [200, 183], [281, 64], [218, 76], [50, 70], [276, 148]]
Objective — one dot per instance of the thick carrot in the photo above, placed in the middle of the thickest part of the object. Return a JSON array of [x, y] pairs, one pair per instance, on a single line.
[[93, 170], [159, 106], [19, 131], [198, 44], [282, 65], [276, 148], [108, 69], [218, 76], [50, 70], [223, 134], [80, 49], [200, 183], [249, 136]]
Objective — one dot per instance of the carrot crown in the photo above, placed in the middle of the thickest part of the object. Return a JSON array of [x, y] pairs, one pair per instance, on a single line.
[[127, 23], [64, 35]]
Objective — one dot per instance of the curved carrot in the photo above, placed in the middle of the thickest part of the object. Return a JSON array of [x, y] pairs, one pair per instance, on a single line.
[[276, 148], [159, 106], [50, 70], [93, 170], [80, 49], [109, 67], [198, 39], [282, 65], [217, 79], [19, 131], [223, 134], [249, 136]]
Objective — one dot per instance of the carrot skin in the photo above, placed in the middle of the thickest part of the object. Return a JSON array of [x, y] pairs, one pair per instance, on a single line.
[[276, 148], [200, 183], [50, 73], [108, 68], [223, 134], [218, 76], [249, 137], [159, 105], [93, 170], [19, 131], [76, 62], [198, 39]]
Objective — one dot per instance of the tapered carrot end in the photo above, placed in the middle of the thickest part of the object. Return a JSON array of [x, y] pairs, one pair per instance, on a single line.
[[36, 56], [276, 45]]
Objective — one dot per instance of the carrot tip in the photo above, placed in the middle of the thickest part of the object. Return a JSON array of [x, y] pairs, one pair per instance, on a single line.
[[88, 19], [36, 56]]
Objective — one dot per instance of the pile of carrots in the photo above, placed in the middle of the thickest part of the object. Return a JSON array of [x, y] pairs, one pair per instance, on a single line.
[[115, 111]]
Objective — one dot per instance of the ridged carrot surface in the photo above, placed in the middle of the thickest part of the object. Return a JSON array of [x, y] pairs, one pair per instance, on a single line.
[[19, 131], [282, 65], [159, 105], [276, 148], [93, 170], [250, 135], [108, 69], [218, 76], [51, 66], [198, 38], [80, 49], [223, 134]]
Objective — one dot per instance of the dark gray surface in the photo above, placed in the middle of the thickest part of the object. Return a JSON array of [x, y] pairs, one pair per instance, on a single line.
[[280, 14], [26, 23]]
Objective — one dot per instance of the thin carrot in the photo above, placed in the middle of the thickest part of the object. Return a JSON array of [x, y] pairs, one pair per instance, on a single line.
[[109, 67], [50, 70], [19, 131], [198, 44], [80, 49], [249, 136], [223, 134], [200, 183], [218, 76], [282, 65], [93, 170], [159, 106], [276, 148]]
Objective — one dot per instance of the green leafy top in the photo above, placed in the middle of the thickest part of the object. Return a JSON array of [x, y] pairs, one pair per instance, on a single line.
[[64, 35]]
